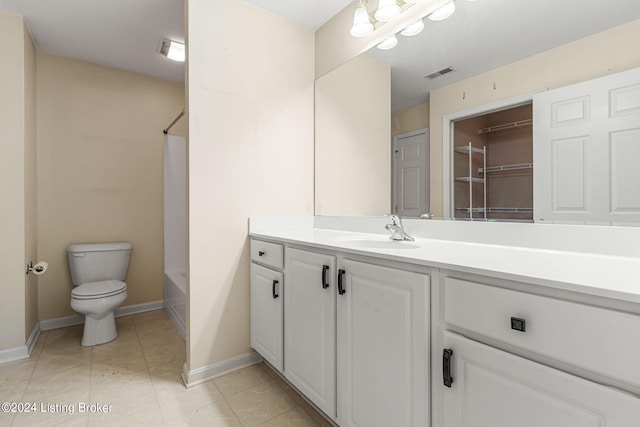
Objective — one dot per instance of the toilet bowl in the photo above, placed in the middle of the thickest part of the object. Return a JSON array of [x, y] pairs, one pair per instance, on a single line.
[[98, 301], [98, 271]]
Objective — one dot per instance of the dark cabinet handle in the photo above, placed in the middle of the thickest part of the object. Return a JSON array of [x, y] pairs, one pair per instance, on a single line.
[[341, 289], [274, 289], [260, 253], [325, 283], [447, 354], [518, 324]]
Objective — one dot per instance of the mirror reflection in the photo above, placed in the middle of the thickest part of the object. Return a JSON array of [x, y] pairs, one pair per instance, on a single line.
[[478, 69]]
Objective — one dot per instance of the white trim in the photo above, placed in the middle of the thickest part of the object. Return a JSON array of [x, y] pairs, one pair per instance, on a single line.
[[33, 338], [177, 320], [447, 121], [13, 354], [78, 319], [209, 372]]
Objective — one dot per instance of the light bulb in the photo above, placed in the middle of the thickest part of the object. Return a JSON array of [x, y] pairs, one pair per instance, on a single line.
[[387, 9], [443, 12], [388, 43], [413, 29], [176, 51], [361, 23]]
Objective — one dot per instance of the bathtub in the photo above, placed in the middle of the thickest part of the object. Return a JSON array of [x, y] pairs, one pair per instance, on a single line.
[[175, 299]]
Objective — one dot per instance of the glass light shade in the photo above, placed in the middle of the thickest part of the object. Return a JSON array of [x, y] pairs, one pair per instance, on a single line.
[[361, 23], [443, 12], [387, 9], [176, 51], [410, 1], [388, 43], [413, 29]]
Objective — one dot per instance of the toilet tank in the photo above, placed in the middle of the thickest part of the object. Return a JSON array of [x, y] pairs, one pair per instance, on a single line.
[[93, 262]]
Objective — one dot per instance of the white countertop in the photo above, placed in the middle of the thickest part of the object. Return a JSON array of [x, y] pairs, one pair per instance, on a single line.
[[616, 277]]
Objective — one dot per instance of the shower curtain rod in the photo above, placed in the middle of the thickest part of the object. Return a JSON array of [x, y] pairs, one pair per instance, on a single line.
[[166, 131]]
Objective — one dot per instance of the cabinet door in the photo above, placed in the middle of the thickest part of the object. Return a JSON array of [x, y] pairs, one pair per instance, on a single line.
[[267, 292], [382, 328], [310, 326], [493, 388]]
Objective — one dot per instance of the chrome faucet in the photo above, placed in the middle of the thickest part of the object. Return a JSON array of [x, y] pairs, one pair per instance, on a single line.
[[397, 229]]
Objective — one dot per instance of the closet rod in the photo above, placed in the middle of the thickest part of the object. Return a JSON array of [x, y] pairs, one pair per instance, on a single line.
[[166, 131]]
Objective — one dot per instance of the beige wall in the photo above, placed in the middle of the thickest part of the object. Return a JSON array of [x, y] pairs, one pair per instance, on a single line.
[[100, 168], [12, 182], [30, 185], [353, 139], [250, 154], [410, 119], [604, 53]]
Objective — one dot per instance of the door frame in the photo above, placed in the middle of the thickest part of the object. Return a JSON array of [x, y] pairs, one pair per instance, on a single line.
[[447, 140], [394, 167]]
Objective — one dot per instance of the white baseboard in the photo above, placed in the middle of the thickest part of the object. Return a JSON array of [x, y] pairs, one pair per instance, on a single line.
[[23, 351], [209, 372], [177, 321], [78, 319]]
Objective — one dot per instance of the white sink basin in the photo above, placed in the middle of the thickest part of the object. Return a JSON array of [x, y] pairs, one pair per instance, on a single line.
[[381, 242]]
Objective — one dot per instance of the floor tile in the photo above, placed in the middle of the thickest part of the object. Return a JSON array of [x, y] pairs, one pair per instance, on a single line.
[[217, 414], [176, 401], [260, 403], [73, 385], [241, 380], [52, 416], [142, 410], [49, 363], [296, 417]]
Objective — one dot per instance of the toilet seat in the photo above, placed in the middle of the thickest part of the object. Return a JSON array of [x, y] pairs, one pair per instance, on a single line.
[[95, 290]]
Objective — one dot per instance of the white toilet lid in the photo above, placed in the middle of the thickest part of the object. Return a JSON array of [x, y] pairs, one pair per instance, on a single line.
[[105, 288]]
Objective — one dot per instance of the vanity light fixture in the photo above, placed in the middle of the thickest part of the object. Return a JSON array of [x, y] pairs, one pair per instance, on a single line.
[[388, 43], [173, 50], [443, 12], [413, 29], [364, 24]]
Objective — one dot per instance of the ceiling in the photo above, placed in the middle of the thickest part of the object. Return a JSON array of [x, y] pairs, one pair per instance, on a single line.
[[480, 36]]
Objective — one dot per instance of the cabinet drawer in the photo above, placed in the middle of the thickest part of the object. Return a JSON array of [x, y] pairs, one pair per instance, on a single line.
[[271, 254], [600, 340]]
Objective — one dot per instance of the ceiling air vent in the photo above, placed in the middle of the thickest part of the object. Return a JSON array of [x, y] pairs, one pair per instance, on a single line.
[[439, 73]]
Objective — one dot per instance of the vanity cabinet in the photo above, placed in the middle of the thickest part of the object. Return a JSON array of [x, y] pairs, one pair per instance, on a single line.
[[267, 293], [382, 337], [310, 325], [508, 357], [355, 336]]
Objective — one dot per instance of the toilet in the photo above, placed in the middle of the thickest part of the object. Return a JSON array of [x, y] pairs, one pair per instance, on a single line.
[[97, 272]]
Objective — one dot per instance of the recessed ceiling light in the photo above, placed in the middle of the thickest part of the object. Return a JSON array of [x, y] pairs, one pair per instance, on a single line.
[[173, 50]]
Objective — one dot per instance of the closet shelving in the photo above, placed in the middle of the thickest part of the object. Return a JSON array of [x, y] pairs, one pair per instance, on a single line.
[[469, 150], [506, 126]]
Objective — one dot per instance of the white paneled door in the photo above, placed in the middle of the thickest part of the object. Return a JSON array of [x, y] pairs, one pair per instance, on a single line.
[[411, 173], [586, 152]]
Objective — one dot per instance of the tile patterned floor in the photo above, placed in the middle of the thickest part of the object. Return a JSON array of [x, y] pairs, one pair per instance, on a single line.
[[138, 376]]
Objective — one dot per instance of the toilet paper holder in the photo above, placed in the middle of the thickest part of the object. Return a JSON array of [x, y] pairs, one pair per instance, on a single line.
[[38, 268]]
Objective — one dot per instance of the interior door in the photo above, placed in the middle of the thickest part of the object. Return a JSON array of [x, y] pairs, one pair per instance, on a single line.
[[586, 152], [411, 173]]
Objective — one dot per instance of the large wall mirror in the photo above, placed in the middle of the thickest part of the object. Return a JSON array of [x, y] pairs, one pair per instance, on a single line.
[[372, 110]]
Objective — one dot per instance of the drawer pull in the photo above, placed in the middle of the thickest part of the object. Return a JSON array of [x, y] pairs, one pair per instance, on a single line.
[[260, 253], [325, 283], [341, 289], [447, 354], [274, 289], [518, 324]]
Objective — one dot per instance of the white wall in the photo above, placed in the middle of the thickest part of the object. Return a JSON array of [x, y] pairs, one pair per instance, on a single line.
[[250, 151]]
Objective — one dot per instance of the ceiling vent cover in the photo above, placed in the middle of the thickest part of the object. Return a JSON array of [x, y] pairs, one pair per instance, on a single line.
[[439, 73]]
